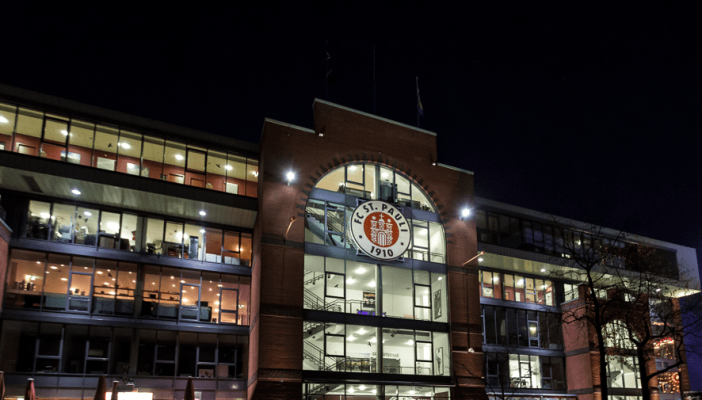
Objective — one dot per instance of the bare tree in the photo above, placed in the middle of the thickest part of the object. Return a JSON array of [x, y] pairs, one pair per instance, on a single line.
[[623, 281], [503, 382], [649, 292], [587, 256]]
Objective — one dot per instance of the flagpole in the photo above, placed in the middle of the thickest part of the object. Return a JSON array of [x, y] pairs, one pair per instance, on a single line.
[[326, 73], [374, 98], [417, 91]]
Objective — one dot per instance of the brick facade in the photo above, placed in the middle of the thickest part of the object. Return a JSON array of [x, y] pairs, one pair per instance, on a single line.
[[340, 137]]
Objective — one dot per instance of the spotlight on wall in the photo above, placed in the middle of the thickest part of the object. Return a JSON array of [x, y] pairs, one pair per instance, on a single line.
[[290, 176]]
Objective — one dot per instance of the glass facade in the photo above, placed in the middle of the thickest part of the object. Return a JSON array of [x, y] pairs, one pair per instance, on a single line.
[[113, 148], [48, 348], [313, 390], [351, 348], [338, 285], [546, 238], [362, 286], [326, 223], [55, 282], [376, 182], [524, 371], [522, 328], [70, 224], [623, 372]]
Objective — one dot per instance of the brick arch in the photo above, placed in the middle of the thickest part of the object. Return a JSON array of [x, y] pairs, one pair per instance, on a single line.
[[339, 160]]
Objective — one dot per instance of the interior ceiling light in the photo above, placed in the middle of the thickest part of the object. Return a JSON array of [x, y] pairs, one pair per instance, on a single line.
[[3, 120], [228, 167], [179, 157], [360, 270], [64, 132], [480, 259], [87, 213], [76, 192], [543, 269], [203, 213], [125, 146]]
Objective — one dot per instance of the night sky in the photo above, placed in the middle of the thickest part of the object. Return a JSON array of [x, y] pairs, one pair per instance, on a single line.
[[583, 111]]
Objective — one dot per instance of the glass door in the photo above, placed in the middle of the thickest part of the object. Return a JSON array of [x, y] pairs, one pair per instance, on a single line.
[[229, 306], [189, 301], [79, 291]]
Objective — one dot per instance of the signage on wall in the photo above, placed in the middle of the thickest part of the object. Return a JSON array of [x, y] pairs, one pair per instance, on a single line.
[[380, 230], [368, 300]]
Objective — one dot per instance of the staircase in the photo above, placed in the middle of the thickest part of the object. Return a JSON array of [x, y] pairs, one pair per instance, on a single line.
[[311, 301], [316, 276], [316, 355], [316, 223]]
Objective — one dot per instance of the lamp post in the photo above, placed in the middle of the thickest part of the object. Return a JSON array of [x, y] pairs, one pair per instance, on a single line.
[[478, 255]]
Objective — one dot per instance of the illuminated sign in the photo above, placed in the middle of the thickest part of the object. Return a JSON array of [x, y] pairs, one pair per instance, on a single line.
[[380, 230], [130, 396]]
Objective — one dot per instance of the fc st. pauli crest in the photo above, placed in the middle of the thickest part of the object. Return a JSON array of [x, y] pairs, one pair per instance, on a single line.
[[380, 230]]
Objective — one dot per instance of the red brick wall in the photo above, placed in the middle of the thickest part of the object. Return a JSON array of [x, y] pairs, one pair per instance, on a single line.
[[349, 137], [5, 233]]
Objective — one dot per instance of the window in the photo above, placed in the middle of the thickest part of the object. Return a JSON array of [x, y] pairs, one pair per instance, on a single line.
[[39, 220], [516, 288], [86, 226], [511, 327], [25, 279], [665, 348], [54, 282], [617, 335], [570, 291], [353, 348], [622, 372], [490, 283], [371, 181], [8, 114], [111, 148]]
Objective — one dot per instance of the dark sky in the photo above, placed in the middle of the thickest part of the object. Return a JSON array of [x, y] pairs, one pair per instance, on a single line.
[[583, 111]]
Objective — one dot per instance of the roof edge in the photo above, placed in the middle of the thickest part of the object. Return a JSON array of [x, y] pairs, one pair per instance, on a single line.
[[575, 223], [465, 171], [31, 98], [373, 116], [300, 128]]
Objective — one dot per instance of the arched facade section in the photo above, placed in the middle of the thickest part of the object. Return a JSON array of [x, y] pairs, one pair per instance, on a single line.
[[373, 181], [340, 190]]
